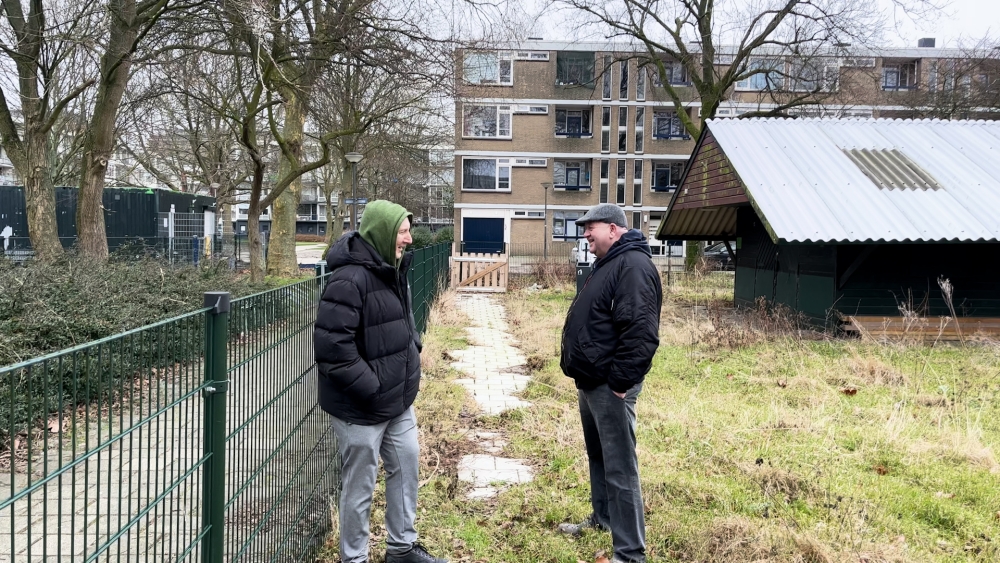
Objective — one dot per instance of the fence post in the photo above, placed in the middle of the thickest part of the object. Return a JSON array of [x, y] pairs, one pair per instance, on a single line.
[[216, 386]]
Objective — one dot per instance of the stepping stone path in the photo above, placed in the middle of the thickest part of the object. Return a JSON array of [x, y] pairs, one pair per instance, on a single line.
[[493, 365]]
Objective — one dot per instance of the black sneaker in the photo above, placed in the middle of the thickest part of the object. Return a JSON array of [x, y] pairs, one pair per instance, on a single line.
[[572, 529], [417, 554]]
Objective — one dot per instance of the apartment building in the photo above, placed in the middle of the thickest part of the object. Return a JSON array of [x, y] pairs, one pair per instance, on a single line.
[[548, 129]]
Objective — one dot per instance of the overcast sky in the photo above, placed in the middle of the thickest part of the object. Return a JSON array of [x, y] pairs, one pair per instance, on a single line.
[[966, 20]]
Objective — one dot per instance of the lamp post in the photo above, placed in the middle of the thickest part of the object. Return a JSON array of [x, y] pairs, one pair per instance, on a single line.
[[545, 218], [354, 158]]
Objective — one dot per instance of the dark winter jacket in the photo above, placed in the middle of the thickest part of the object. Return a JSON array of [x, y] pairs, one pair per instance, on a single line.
[[366, 343], [612, 328]]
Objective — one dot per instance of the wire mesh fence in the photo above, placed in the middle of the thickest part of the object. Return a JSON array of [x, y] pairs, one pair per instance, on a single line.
[[198, 438]]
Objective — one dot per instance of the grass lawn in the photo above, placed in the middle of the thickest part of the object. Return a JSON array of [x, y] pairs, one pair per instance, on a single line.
[[771, 445]]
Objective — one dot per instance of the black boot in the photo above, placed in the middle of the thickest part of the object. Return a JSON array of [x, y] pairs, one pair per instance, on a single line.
[[417, 554]]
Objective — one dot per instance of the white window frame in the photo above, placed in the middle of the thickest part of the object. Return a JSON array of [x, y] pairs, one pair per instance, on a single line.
[[605, 172], [830, 76], [531, 56], [622, 170], [895, 78], [504, 62], [503, 166], [583, 171], [606, 129], [675, 68], [763, 79], [680, 133], [671, 168], [637, 182], [640, 129], [623, 81], [622, 129], [586, 114], [503, 113], [567, 220], [607, 79]]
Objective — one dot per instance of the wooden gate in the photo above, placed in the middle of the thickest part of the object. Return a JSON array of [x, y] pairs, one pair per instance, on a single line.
[[475, 271]]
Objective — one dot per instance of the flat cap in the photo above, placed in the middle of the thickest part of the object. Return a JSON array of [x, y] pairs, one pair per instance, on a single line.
[[605, 213]]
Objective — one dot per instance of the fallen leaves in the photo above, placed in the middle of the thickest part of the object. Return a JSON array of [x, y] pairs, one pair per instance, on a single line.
[[850, 390]]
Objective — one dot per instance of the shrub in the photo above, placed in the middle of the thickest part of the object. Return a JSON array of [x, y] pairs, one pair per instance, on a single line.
[[422, 237], [446, 234], [49, 307], [310, 238]]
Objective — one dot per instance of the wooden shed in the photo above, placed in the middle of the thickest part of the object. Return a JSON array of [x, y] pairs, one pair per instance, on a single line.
[[850, 218]]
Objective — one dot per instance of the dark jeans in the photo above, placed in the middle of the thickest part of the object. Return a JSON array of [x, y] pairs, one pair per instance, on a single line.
[[609, 432]]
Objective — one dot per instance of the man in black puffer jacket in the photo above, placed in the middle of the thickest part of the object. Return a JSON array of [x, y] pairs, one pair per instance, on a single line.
[[609, 339], [368, 354]]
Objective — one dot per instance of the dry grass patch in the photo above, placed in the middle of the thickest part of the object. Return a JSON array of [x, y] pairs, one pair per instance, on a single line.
[[872, 370]]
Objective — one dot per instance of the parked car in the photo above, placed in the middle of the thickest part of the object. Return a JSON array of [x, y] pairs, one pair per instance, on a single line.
[[718, 255]]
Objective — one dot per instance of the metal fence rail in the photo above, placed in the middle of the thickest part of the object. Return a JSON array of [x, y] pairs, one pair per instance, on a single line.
[[198, 438]]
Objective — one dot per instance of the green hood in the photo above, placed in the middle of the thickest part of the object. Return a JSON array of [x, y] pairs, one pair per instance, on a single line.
[[379, 226]]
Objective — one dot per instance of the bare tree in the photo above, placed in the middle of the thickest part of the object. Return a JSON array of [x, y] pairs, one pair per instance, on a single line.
[[32, 43], [780, 45]]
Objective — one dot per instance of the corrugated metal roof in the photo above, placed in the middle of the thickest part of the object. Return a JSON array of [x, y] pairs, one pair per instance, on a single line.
[[807, 188]]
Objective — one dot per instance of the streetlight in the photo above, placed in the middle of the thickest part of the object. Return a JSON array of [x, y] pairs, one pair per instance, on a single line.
[[354, 158], [545, 218]]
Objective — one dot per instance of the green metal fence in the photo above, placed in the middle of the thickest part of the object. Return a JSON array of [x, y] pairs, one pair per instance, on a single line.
[[197, 438]]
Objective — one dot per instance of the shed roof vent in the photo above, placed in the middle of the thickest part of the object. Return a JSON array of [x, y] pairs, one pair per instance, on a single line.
[[890, 169]]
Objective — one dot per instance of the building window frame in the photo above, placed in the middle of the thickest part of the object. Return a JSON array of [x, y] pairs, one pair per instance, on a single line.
[[605, 170], [623, 80], [901, 76], [565, 227], [575, 68], [622, 166], [606, 129], [640, 129], [501, 174], [607, 78], [571, 175], [667, 125], [494, 68], [574, 123], [622, 129], [501, 126], [637, 182], [666, 175]]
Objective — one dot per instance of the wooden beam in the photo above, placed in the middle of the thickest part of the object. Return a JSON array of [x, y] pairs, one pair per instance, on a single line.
[[732, 255], [482, 274], [855, 265]]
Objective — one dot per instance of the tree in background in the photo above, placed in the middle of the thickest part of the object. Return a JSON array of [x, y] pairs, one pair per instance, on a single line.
[[780, 45]]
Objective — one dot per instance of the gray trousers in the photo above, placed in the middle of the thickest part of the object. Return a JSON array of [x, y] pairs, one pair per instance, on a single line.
[[360, 447], [609, 433]]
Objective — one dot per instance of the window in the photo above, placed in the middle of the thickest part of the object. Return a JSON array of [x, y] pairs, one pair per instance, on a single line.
[[676, 74], [574, 68], [666, 175], [532, 55], [768, 75], [620, 192], [606, 129], [640, 118], [623, 84], [571, 174], [604, 181], [486, 121], [932, 77], [637, 220], [489, 68], [637, 183], [564, 225], [622, 128], [486, 174], [573, 122], [606, 79], [814, 76], [901, 76], [667, 125], [640, 84]]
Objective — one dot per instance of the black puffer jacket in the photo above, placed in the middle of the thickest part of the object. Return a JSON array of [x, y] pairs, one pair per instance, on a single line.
[[612, 329], [366, 343]]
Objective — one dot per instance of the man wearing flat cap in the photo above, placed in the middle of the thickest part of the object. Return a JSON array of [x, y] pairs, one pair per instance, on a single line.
[[608, 342]]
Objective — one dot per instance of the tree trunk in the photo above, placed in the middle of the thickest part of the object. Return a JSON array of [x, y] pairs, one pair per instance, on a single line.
[[92, 240], [281, 257], [40, 198], [256, 247]]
